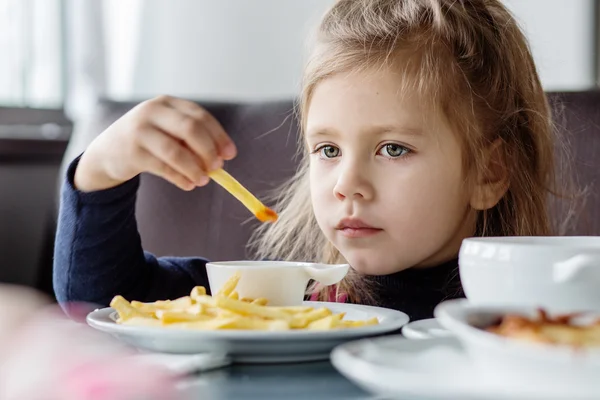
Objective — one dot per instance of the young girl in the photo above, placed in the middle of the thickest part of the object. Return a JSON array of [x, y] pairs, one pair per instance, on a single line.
[[424, 122]]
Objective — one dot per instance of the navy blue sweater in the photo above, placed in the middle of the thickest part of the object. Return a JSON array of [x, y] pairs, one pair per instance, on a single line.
[[98, 254]]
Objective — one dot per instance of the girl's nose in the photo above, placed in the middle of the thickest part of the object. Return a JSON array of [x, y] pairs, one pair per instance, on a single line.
[[353, 182]]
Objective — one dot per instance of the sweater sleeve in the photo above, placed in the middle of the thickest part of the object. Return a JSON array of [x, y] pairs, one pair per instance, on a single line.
[[98, 252]]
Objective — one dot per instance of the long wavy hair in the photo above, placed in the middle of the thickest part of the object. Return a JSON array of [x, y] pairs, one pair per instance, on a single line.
[[472, 61]]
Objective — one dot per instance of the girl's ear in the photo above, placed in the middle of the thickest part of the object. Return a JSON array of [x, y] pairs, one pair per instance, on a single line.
[[493, 181]]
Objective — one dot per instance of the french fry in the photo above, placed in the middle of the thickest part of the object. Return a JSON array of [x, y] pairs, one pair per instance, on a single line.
[[196, 309], [260, 301], [209, 324], [212, 311], [205, 300], [257, 324], [302, 320], [329, 322], [125, 310], [223, 313], [356, 324], [227, 311], [229, 285], [168, 316], [181, 302], [229, 183], [147, 308], [295, 309], [243, 308], [197, 292]]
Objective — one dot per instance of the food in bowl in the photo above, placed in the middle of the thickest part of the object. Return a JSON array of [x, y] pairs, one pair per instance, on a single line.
[[561, 371], [558, 330], [226, 310]]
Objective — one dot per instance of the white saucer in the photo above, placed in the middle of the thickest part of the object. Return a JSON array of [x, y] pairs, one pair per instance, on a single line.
[[433, 369], [253, 346], [425, 329]]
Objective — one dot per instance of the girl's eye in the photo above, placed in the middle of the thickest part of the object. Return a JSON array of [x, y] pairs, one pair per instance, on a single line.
[[328, 151], [394, 150]]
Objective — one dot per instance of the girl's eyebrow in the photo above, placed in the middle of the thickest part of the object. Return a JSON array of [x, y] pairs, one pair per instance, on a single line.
[[321, 131], [371, 130], [384, 129]]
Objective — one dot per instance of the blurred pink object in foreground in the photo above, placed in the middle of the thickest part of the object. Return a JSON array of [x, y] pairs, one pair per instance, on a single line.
[[45, 355]]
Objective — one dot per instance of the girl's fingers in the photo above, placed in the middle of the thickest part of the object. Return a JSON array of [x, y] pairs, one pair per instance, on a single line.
[[159, 168], [176, 160], [191, 130], [225, 146]]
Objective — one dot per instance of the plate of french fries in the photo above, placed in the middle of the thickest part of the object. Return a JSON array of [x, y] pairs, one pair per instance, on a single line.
[[248, 330]]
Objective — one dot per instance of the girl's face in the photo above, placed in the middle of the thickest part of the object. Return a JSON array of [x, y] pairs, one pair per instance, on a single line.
[[386, 175]]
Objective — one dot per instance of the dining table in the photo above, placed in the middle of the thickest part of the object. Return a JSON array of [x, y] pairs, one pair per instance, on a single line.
[[294, 381]]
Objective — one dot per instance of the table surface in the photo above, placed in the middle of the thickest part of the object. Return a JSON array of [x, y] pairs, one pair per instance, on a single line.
[[316, 380]]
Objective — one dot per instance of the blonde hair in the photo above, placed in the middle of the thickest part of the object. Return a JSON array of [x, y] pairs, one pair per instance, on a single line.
[[470, 58]]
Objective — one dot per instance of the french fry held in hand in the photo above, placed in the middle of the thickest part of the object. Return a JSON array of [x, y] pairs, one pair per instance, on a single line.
[[227, 311], [229, 183]]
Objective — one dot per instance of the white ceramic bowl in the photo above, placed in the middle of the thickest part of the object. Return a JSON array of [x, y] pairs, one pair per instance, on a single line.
[[282, 283], [558, 273], [556, 368]]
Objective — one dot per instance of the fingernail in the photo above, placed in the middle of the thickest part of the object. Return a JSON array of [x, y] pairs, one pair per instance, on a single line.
[[203, 181], [229, 151]]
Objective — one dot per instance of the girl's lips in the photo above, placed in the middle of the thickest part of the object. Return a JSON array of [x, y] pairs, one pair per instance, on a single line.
[[353, 223], [359, 232], [356, 228]]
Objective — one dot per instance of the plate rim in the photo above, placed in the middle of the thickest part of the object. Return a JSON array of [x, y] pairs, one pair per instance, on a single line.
[[410, 332], [99, 319], [364, 372], [368, 374]]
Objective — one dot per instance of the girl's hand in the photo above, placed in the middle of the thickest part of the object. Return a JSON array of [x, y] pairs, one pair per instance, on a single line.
[[166, 136]]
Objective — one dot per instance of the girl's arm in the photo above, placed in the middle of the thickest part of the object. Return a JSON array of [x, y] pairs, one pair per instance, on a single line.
[[98, 252]]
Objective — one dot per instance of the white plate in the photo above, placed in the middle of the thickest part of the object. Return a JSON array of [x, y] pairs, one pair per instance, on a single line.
[[433, 369], [425, 329], [253, 346]]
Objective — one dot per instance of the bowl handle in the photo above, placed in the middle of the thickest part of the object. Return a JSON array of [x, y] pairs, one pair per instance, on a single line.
[[327, 274], [571, 268]]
